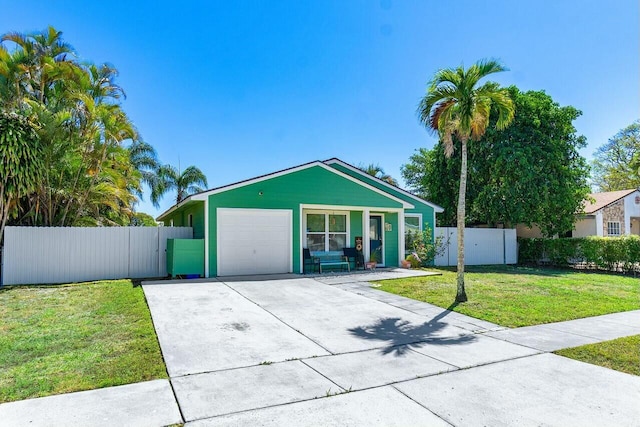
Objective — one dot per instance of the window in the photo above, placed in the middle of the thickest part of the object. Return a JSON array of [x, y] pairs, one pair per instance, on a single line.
[[326, 231], [190, 220], [613, 228], [412, 227]]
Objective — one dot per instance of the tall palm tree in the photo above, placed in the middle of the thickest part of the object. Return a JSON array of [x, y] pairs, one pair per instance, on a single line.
[[456, 106], [144, 159], [191, 181], [377, 171]]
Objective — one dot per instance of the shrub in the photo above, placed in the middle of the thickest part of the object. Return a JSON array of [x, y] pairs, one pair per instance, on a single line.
[[424, 249], [607, 253]]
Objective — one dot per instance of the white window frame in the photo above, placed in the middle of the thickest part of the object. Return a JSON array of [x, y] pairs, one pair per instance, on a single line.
[[413, 215], [326, 232], [609, 227], [406, 230]]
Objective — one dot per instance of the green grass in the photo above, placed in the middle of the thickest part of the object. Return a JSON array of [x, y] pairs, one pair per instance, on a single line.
[[520, 296], [622, 354], [59, 339]]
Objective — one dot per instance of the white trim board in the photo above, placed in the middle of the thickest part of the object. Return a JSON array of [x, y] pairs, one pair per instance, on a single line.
[[435, 207], [205, 194], [325, 212]]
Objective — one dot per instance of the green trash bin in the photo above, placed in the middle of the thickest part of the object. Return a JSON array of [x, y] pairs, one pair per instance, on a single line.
[[185, 257]]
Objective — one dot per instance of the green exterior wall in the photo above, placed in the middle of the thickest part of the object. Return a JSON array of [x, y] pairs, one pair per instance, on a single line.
[[313, 185], [391, 240], [180, 218], [421, 208], [356, 227]]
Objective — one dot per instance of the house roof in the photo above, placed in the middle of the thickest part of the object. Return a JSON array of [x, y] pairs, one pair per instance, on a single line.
[[437, 208], [201, 196], [602, 200]]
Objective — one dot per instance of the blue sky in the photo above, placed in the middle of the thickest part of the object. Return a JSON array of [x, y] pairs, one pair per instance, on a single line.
[[243, 88]]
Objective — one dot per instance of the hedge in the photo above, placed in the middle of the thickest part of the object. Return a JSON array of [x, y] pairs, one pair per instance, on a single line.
[[606, 253]]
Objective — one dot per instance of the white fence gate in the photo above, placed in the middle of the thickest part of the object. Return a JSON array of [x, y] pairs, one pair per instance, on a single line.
[[77, 254], [482, 246]]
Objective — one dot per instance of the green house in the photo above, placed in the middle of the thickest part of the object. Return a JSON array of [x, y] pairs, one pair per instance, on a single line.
[[261, 225]]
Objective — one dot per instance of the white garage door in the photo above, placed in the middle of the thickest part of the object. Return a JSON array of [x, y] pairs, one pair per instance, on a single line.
[[254, 241]]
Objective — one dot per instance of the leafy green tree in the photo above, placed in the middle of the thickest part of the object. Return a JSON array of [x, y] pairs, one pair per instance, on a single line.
[[190, 181], [89, 176], [377, 171], [529, 173], [617, 163], [141, 219], [456, 106], [20, 163]]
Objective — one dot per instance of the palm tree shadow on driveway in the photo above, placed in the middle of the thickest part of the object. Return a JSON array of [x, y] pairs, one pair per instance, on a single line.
[[402, 335]]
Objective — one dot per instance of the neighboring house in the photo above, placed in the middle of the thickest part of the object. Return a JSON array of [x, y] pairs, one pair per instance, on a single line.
[[261, 225], [614, 213]]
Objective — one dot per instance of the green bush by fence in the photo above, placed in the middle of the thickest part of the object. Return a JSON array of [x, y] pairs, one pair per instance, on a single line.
[[607, 253]]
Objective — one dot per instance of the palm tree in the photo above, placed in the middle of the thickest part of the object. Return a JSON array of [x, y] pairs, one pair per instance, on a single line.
[[191, 181], [455, 106], [377, 171]]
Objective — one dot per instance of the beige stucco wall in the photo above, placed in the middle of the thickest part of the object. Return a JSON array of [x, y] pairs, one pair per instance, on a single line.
[[584, 227]]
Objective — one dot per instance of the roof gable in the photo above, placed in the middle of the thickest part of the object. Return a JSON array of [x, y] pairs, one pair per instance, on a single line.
[[602, 200], [388, 187], [205, 194]]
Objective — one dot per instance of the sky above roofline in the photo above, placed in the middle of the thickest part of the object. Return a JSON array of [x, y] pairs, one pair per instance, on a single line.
[[241, 89]]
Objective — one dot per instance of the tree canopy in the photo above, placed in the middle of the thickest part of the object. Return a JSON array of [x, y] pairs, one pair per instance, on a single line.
[[93, 159], [617, 163], [530, 172], [185, 183], [377, 171]]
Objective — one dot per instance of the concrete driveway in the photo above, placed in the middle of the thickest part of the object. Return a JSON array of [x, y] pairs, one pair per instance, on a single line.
[[302, 352]]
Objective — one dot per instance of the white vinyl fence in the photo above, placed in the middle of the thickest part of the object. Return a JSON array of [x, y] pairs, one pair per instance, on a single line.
[[76, 254], [482, 246]]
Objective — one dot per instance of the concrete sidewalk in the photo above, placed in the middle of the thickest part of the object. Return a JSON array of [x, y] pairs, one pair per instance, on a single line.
[[334, 350], [150, 403]]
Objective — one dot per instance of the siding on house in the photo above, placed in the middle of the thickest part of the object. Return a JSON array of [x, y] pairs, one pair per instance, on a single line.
[[427, 211], [314, 185], [180, 218], [356, 227], [391, 239], [585, 226]]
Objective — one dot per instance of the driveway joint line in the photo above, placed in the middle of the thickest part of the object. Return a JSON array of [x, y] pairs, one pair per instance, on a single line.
[[420, 404], [434, 358], [269, 406], [581, 334], [175, 396], [323, 375], [283, 322]]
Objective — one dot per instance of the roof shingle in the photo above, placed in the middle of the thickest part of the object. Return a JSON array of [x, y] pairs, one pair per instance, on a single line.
[[605, 199]]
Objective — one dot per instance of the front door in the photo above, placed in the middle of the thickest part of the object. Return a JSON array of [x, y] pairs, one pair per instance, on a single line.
[[375, 239]]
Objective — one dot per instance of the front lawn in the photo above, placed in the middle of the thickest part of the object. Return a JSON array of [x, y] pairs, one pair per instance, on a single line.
[[521, 296], [622, 354], [64, 338]]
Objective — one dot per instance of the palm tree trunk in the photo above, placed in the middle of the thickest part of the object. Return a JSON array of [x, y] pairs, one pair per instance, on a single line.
[[461, 295]]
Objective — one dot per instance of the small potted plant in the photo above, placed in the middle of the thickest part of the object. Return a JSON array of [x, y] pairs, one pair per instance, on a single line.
[[374, 259]]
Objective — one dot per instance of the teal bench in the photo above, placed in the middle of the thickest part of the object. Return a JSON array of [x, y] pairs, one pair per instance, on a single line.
[[331, 259]]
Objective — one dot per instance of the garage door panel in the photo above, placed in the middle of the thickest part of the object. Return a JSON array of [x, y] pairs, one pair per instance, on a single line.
[[254, 241]]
